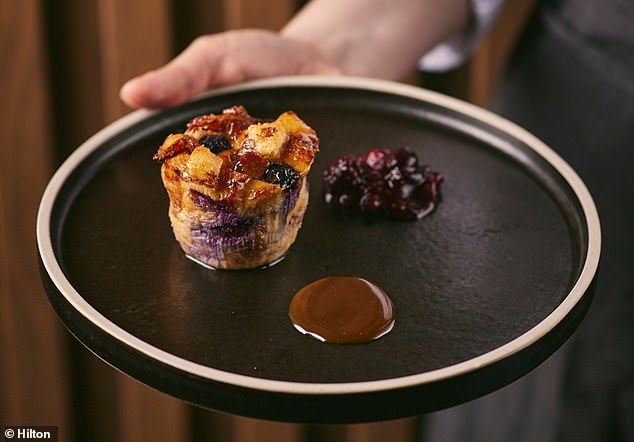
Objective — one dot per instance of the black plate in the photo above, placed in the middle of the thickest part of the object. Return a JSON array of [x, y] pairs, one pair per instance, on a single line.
[[485, 288]]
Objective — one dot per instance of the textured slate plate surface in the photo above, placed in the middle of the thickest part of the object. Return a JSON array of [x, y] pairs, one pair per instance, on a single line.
[[505, 260]]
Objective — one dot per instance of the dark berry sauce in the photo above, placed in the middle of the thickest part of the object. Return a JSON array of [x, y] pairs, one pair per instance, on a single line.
[[383, 182]]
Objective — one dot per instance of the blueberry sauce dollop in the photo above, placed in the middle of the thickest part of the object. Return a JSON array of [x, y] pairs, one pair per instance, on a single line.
[[392, 183]]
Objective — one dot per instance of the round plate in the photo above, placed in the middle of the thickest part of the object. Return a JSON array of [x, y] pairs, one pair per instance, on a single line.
[[484, 288]]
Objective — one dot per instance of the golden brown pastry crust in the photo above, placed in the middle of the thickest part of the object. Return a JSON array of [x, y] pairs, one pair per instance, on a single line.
[[223, 212]]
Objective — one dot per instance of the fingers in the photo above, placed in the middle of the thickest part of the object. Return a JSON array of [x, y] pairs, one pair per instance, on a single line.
[[222, 59], [151, 90], [189, 74]]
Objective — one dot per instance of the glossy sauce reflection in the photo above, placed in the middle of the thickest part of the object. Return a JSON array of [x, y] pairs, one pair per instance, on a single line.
[[342, 310]]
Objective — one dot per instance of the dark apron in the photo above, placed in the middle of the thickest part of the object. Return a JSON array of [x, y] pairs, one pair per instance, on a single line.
[[571, 83]]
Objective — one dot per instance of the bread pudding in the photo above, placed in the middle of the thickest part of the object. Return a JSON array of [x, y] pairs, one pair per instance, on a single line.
[[237, 186]]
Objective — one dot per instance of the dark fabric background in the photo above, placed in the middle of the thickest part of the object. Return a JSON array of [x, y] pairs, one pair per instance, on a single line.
[[571, 83]]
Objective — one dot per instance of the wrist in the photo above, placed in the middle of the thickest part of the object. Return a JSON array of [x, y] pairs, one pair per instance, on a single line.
[[378, 38]]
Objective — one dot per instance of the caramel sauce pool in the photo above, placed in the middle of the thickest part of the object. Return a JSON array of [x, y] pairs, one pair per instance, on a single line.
[[342, 310]]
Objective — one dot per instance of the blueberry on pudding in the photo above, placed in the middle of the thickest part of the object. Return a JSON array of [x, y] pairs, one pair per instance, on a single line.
[[237, 186], [383, 182]]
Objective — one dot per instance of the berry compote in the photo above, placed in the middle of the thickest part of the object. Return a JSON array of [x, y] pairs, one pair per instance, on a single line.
[[385, 182]]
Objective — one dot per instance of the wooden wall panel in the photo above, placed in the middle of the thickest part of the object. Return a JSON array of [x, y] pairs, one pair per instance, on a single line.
[[148, 415], [134, 36], [490, 56], [74, 72], [253, 430], [399, 430], [33, 382], [266, 14], [192, 18]]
